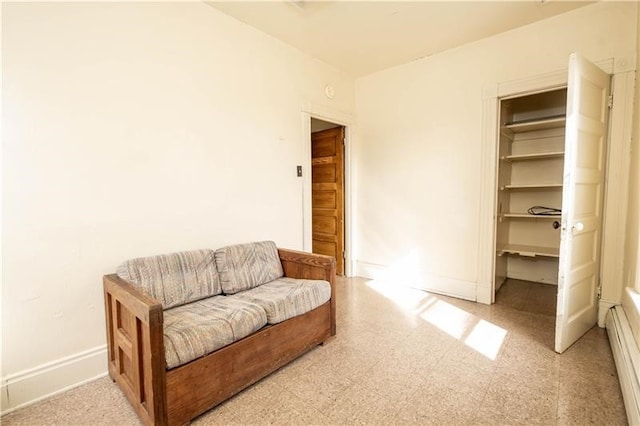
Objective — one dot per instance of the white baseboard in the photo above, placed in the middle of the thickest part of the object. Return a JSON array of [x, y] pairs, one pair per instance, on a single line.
[[603, 309], [432, 283], [627, 359], [369, 270], [29, 386]]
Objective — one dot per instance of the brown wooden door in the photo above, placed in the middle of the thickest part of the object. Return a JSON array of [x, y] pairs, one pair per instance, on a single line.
[[327, 194]]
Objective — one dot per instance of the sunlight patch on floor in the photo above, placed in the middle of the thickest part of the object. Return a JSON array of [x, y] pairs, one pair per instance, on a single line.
[[486, 338], [395, 283], [405, 297], [453, 321]]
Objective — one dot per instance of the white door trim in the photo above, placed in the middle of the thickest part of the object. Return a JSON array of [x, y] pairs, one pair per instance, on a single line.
[[487, 229], [617, 137], [616, 191], [347, 120]]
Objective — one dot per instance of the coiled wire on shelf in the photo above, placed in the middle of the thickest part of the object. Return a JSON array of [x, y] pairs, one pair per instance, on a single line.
[[543, 211]]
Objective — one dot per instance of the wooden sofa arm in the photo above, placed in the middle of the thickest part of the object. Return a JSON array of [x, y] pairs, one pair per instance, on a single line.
[[135, 347], [299, 264]]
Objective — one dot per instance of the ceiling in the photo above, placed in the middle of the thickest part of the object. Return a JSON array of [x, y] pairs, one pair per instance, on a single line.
[[362, 37]]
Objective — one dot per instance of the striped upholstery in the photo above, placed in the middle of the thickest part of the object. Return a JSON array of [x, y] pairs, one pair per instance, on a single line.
[[199, 320], [174, 279], [245, 266], [199, 328], [286, 298]]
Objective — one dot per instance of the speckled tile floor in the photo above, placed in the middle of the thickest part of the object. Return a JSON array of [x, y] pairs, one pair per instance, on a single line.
[[403, 356]]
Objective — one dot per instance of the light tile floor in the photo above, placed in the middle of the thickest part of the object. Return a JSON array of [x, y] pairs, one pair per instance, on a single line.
[[403, 356]]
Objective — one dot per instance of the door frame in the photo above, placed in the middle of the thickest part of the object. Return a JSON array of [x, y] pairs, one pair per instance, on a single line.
[[616, 184], [347, 120]]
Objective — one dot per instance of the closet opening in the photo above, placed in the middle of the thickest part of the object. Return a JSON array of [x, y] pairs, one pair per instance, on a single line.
[[529, 200], [549, 188]]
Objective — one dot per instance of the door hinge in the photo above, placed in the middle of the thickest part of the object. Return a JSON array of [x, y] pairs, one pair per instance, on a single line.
[[344, 255], [610, 101], [599, 291]]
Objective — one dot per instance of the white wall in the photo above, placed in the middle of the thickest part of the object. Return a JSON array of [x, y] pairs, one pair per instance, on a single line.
[[132, 129], [418, 159], [631, 274]]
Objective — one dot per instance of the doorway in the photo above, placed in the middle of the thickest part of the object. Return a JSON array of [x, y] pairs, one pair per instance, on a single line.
[[328, 190], [549, 193]]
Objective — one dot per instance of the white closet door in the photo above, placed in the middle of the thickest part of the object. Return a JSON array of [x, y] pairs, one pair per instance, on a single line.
[[583, 192]]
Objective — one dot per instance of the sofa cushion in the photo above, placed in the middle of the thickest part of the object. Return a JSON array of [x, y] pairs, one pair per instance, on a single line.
[[286, 298], [199, 328], [245, 266], [174, 279]]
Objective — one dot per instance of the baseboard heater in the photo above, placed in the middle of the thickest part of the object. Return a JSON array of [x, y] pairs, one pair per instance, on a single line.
[[627, 359]]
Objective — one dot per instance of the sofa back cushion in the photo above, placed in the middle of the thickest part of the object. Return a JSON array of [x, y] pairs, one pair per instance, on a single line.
[[174, 279], [246, 266]]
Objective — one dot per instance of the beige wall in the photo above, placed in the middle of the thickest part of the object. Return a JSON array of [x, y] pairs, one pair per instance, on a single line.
[[418, 150], [133, 129]]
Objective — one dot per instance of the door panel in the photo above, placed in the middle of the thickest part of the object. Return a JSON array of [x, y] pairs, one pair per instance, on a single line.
[[327, 199], [323, 200], [583, 188], [324, 173], [324, 144], [328, 223]]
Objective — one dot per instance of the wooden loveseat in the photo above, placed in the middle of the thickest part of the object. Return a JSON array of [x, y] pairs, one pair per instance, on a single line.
[[139, 321]]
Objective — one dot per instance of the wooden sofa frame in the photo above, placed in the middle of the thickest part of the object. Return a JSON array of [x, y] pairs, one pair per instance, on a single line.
[[174, 397]]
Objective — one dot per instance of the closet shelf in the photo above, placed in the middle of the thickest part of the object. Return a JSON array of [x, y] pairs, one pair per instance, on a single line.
[[536, 156], [532, 186], [529, 251], [532, 216], [529, 126]]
